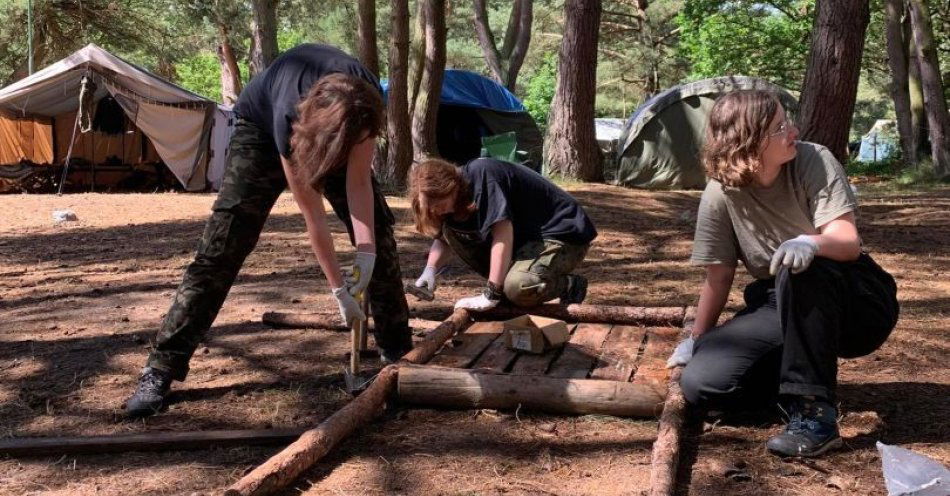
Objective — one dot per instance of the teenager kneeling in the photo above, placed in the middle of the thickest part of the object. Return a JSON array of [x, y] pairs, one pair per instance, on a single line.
[[784, 208], [509, 224]]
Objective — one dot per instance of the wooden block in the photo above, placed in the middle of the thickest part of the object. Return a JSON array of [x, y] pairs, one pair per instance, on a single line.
[[652, 367], [470, 345], [620, 355], [581, 352], [528, 364]]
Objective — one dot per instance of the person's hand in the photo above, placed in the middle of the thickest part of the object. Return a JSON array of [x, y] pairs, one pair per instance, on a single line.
[[349, 308], [427, 279], [362, 272], [478, 303], [796, 254], [681, 354]]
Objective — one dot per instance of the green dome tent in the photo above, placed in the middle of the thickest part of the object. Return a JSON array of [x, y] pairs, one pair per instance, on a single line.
[[660, 142]]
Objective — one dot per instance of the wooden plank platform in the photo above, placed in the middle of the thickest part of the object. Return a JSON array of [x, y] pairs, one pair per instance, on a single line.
[[619, 353]]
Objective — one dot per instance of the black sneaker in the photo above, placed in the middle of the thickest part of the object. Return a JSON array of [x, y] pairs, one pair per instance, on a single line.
[[576, 290], [812, 430], [150, 395]]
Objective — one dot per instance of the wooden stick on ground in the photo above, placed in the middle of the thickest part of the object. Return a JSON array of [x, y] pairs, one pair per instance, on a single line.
[[146, 441], [593, 314], [666, 448], [459, 388], [284, 467]]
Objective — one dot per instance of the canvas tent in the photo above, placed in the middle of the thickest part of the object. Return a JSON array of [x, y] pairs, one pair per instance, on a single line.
[[660, 143], [880, 143], [472, 107], [162, 122]]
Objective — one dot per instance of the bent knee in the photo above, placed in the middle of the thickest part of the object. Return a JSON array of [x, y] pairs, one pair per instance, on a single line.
[[524, 289]]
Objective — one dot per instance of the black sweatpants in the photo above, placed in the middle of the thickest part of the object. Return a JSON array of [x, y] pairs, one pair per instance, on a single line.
[[788, 338]]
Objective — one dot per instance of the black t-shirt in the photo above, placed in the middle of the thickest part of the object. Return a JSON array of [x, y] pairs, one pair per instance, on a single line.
[[270, 99], [536, 207]]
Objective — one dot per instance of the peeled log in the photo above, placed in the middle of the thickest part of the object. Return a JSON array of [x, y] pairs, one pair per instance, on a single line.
[[284, 467], [592, 314], [458, 388]]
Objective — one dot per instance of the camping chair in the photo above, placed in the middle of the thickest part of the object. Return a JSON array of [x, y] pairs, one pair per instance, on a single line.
[[502, 146]]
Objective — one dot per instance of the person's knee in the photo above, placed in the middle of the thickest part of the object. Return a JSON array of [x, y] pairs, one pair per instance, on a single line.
[[692, 383], [524, 289]]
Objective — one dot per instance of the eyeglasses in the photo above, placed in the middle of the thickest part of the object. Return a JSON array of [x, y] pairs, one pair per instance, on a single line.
[[784, 128]]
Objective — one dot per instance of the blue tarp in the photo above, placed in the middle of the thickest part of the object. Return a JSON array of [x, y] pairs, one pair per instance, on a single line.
[[468, 89]]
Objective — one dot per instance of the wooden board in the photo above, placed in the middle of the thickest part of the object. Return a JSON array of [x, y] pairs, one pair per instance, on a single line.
[[148, 441], [660, 344], [620, 355], [581, 352], [497, 357], [468, 345]]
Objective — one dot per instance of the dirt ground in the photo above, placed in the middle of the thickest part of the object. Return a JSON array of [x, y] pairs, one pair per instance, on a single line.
[[79, 303]]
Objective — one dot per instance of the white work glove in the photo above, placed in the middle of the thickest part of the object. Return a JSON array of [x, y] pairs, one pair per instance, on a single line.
[[427, 279], [362, 272], [796, 254], [682, 353], [478, 303], [349, 308]]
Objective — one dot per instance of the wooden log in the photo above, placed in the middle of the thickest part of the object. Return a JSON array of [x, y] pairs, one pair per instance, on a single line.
[[620, 354], [666, 448], [284, 467], [581, 352], [457, 388], [593, 314], [146, 441]]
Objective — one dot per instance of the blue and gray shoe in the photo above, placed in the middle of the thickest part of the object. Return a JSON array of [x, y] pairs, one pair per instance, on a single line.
[[811, 431], [149, 396]]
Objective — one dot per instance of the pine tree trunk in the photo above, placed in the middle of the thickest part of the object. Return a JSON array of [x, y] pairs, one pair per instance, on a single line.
[[230, 72], [417, 55], [505, 62], [263, 34], [430, 88], [918, 118], [399, 157], [900, 93], [366, 37], [938, 120], [570, 148], [831, 79]]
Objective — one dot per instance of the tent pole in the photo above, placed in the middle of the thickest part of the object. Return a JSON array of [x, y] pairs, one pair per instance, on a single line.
[[69, 155]]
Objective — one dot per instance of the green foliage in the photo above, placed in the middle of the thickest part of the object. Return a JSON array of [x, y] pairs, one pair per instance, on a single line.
[[540, 91], [762, 39], [201, 73]]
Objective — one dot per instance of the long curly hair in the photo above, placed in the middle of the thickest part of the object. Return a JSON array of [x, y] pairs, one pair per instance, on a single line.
[[433, 180], [737, 128], [338, 112]]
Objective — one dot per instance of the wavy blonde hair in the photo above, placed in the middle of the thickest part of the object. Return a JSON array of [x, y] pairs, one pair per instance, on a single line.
[[433, 180], [737, 128], [338, 112]]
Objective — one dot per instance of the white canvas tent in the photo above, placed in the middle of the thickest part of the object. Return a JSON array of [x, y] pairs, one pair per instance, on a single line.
[[177, 122]]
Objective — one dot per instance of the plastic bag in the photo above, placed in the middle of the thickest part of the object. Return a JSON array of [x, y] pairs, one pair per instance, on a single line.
[[64, 215], [910, 474]]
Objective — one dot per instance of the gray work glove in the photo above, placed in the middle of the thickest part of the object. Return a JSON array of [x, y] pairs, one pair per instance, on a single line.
[[349, 308], [427, 279], [362, 272], [682, 353], [796, 254]]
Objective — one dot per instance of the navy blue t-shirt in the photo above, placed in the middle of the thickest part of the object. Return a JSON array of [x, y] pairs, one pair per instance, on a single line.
[[270, 99], [536, 207]]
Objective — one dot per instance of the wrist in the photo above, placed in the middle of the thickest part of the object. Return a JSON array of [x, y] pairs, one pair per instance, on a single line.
[[493, 292]]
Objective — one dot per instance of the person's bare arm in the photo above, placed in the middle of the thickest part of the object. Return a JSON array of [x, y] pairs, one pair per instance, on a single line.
[[359, 194], [315, 217], [503, 238], [713, 297], [839, 239], [438, 254]]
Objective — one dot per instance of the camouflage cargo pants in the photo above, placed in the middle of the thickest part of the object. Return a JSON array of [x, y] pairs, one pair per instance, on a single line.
[[538, 271], [253, 181]]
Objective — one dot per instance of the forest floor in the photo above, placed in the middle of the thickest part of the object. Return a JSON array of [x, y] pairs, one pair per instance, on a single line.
[[80, 303]]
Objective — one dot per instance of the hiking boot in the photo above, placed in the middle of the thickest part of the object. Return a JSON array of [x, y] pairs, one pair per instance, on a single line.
[[576, 290], [392, 353], [150, 395], [812, 430]]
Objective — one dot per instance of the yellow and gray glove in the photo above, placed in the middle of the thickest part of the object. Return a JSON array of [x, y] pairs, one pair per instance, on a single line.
[[349, 308]]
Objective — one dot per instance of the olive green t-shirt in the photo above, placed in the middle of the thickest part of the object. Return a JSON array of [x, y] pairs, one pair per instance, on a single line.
[[749, 223]]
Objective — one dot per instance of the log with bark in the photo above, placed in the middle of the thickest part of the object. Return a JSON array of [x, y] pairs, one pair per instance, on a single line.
[[593, 314], [459, 388], [284, 467]]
